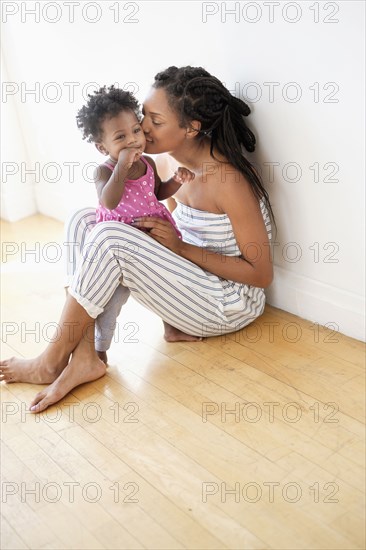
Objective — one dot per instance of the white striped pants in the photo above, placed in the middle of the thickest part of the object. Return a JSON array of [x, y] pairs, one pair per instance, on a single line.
[[117, 260]]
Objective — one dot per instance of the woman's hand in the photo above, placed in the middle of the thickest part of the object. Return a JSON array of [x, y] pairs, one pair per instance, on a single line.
[[160, 230]]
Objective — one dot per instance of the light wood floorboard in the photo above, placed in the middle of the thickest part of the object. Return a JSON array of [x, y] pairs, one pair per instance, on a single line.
[[254, 440]]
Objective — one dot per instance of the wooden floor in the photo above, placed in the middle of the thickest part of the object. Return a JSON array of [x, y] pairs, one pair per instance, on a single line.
[[245, 442]]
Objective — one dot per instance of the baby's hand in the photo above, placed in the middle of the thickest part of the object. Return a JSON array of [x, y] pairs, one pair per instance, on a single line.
[[183, 175], [128, 156]]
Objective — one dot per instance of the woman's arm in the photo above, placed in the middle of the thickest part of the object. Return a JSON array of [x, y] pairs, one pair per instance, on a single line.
[[236, 199], [255, 267], [232, 268]]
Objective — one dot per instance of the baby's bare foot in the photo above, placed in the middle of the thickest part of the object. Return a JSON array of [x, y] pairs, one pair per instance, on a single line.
[[82, 368], [40, 370], [103, 356], [172, 334]]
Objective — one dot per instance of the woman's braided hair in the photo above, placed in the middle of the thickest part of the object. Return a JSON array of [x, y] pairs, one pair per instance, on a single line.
[[104, 103], [196, 95]]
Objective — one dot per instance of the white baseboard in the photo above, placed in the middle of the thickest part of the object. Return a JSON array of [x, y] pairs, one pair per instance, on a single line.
[[318, 302]]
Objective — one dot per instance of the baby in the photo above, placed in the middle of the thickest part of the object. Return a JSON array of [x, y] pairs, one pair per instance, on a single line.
[[127, 183]]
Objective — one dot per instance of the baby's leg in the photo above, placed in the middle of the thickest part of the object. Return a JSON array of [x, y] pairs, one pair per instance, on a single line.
[[77, 229], [106, 322]]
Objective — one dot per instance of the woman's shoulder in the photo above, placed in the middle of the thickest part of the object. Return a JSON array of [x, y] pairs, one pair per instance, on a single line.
[[234, 189]]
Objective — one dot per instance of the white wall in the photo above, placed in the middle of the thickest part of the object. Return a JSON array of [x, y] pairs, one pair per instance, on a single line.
[[17, 196], [317, 121]]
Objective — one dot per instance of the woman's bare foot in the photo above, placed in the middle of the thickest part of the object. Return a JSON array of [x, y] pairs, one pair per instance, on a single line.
[[85, 366], [172, 334], [43, 369], [103, 356]]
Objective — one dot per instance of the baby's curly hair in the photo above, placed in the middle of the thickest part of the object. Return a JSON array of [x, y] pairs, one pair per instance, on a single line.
[[104, 103]]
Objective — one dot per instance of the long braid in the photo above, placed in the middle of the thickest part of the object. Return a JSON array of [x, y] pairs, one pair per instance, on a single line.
[[196, 95]]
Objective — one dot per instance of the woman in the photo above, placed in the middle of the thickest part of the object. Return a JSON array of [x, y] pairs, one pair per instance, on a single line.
[[210, 283]]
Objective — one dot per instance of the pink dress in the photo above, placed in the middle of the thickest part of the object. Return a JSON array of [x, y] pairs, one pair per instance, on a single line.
[[138, 200]]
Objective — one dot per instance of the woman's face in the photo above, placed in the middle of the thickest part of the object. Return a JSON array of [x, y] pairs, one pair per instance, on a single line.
[[160, 124]]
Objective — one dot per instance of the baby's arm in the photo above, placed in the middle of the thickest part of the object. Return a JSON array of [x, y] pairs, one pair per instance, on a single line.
[[110, 187], [165, 189], [168, 188]]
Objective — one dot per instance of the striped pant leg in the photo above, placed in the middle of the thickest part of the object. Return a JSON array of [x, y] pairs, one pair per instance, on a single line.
[[177, 290], [77, 229]]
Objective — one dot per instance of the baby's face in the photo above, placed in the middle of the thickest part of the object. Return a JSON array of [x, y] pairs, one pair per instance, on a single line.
[[121, 131]]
